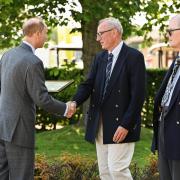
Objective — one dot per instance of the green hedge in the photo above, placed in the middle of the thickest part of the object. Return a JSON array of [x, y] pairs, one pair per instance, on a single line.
[[153, 81], [75, 167], [44, 119]]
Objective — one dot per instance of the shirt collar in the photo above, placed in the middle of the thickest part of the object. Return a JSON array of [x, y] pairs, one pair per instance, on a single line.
[[33, 49], [117, 49]]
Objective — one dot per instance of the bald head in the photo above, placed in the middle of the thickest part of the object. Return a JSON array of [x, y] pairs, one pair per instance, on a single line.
[[33, 25]]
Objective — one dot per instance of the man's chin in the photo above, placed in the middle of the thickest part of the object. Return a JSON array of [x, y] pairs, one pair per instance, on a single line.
[[103, 48]]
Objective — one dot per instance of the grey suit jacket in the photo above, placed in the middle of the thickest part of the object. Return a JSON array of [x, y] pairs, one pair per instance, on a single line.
[[22, 85]]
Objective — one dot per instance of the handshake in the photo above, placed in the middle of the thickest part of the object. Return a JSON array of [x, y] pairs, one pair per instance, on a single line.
[[71, 108]]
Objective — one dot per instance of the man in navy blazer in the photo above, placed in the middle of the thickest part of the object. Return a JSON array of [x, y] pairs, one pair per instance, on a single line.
[[166, 119], [114, 116]]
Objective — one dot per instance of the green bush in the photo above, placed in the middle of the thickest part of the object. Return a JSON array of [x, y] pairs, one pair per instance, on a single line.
[[68, 167], [153, 82], [75, 167], [149, 172]]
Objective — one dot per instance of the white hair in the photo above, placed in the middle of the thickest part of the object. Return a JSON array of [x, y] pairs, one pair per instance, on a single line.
[[113, 22], [176, 18]]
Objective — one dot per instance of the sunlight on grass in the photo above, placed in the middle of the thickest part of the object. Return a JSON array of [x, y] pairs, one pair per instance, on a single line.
[[75, 146], [78, 131]]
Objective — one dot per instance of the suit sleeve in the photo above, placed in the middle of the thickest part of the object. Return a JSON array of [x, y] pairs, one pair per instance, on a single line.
[[0, 75], [85, 88], [1, 70], [35, 82], [136, 73]]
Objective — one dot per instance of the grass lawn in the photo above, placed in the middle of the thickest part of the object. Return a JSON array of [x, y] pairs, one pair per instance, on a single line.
[[70, 139]]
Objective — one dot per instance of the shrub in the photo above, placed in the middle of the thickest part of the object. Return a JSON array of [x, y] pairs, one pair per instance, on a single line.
[[68, 167], [75, 167], [149, 172], [41, 168], [153, 81]]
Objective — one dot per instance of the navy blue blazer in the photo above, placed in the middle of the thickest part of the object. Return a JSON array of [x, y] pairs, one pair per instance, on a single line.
[[171, 120], [124, 96]]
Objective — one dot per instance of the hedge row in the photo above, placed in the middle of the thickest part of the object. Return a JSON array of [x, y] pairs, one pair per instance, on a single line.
[[153, 82], [44, 119], [75, 167]]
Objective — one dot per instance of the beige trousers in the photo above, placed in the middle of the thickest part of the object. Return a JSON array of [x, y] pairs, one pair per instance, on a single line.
[[113, 159]]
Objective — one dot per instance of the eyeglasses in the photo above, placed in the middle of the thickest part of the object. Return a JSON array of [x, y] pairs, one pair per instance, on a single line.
[[169, 31], [99, 34]]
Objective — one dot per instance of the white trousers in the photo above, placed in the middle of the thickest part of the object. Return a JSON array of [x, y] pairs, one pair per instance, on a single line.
[[113, 159]]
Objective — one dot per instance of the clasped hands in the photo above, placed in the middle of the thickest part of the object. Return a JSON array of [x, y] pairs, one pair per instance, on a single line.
[[71, 108]]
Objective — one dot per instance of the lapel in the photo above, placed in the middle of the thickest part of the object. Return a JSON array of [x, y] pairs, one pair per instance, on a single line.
[[102, 71], [174, 94], [117, 69], [162, 88]]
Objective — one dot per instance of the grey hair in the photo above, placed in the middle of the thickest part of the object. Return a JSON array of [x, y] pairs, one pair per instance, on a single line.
[[113, 22], [177, 18]]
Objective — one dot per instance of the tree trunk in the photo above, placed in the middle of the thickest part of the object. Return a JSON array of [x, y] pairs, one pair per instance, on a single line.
[[90, 48]]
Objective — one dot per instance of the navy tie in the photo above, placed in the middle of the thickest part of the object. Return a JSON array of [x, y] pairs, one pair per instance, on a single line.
[[170, 84], [108, 72]]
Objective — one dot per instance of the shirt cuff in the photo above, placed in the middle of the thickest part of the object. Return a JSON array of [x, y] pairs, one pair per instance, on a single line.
[[65, 113]]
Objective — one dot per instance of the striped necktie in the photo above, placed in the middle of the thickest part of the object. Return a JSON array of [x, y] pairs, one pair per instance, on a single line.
[[108, 72], [170, 84]]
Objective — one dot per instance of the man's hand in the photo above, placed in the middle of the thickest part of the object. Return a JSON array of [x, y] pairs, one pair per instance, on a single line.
[[71, 105], [120, 134]]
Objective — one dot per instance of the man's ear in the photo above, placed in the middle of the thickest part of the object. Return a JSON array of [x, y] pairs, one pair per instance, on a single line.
[[37, 34], [115, 31]]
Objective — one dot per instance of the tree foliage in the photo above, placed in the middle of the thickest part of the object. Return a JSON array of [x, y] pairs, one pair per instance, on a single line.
[[13, 13]]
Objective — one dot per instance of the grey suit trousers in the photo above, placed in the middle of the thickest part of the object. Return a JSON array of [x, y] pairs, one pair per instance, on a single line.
[[168, 169], [16, 162]]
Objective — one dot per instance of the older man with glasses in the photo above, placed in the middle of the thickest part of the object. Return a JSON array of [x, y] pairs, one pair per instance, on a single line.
[[166, 119], [116, 84]]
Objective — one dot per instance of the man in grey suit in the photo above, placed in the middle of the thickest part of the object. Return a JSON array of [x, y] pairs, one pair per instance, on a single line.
[[22, 86]]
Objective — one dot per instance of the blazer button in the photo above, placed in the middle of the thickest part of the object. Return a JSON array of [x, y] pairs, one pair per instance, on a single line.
[[177, 122], [117, 119], [92, 105], [179, 103], [93, 90], [119, 91], [116, 105]]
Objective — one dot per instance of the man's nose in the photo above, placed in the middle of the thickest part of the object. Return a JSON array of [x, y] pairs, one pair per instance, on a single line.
[[98, 38]]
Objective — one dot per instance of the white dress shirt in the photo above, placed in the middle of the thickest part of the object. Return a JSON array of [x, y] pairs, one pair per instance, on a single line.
[[115, 53]]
